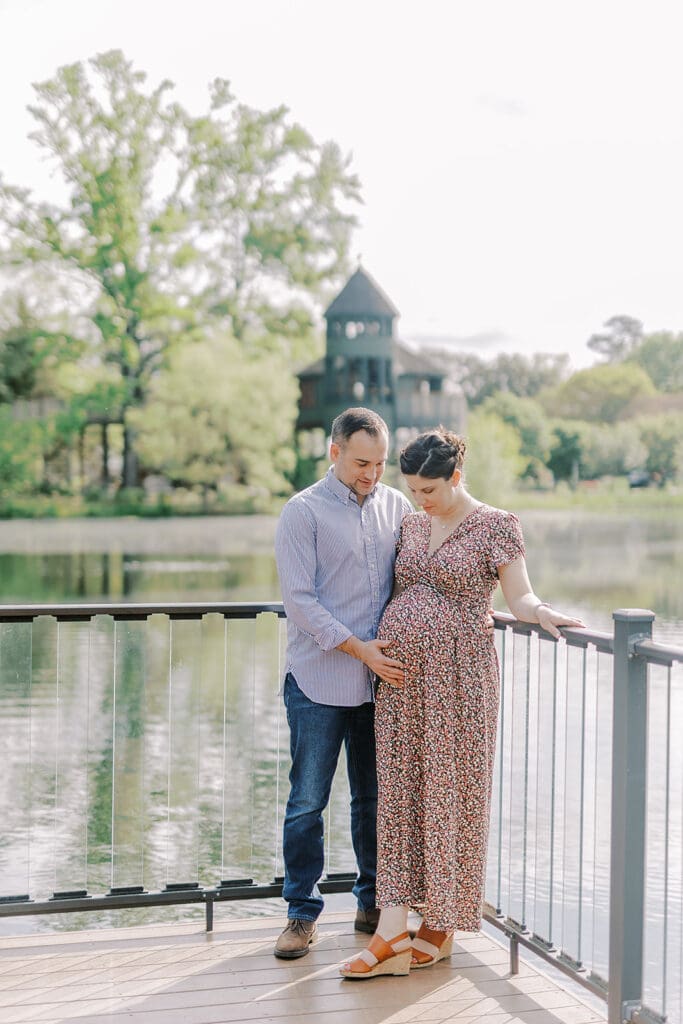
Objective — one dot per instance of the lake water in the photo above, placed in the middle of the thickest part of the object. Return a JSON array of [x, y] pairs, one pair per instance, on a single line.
[[186, 720], [587, 564]]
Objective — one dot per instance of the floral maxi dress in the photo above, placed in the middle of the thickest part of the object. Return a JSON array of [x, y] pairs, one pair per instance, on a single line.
[[436, 735]]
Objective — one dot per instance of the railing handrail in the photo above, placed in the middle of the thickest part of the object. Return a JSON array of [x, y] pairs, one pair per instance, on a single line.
[[129, 610], [575, 636], [657, 653], [248, 609]]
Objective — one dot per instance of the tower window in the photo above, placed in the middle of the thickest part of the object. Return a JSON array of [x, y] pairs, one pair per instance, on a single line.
[[373, 379], [354, 328], [357, 378], [338, 369]]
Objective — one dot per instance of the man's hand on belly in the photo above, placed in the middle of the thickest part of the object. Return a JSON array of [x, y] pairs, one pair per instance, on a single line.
[[371, 652]]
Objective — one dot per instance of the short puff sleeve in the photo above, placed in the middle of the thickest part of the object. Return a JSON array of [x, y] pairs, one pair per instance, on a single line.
[[408, 531], [507, 540]]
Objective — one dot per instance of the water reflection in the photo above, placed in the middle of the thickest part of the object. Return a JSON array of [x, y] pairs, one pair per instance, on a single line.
[[596, 564], [114, 576], [591, 563]]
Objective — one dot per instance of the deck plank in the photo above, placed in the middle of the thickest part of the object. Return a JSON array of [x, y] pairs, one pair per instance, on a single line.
[[177, 974]]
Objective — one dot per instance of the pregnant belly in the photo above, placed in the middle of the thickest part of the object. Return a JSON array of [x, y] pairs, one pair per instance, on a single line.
[[415, 619]]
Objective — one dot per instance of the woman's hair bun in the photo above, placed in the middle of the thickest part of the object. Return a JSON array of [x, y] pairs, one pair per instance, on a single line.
[[435, 453], [456, 444]]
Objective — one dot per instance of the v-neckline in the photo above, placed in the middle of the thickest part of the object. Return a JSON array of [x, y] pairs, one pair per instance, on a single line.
[[453, 531]]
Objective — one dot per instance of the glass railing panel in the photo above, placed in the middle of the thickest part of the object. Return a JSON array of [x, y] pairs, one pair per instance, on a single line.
[[212, 770], [98, 713], [282, 759], [239, 754], [183, 745], [129, 754], [43, 757], [156, 660], [266, 715], [71, 740], [15, 779]]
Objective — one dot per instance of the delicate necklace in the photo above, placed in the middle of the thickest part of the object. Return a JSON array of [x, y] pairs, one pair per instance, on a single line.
[[450, 517]]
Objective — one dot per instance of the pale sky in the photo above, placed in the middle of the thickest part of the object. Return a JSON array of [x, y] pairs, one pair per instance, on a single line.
[[521, 160]]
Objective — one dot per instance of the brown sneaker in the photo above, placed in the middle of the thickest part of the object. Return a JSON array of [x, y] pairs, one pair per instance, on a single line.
[[295, 939], [367, 920]]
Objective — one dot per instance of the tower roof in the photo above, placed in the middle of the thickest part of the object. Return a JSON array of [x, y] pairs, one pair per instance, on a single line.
[[361, 296]]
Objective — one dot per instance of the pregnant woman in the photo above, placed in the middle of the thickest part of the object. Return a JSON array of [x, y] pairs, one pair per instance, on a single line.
[[436, 732]]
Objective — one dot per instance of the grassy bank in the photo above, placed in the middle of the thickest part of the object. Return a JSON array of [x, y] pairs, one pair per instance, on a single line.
[[600, 496], [132, 503], [613, 497]]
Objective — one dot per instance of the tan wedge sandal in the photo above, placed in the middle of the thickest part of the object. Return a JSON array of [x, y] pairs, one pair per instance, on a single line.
[[440, 945], [379, 957]]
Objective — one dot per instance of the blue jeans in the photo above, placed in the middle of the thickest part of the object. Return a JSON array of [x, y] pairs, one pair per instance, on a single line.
[[317, 732]]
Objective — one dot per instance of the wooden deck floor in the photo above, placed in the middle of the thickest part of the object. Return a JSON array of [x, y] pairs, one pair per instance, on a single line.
[[177, 974]]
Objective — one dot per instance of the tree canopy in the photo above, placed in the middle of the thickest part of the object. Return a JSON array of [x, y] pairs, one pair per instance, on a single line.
[[531, 424], [174, 224], [202, 425], [622, 336], [599, 394], [661, 356], [511, 372]]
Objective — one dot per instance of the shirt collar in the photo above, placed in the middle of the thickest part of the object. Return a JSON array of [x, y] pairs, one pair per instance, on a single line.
[[343, 492]]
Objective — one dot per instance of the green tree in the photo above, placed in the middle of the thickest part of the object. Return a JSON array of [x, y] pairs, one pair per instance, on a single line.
[[21, 453], [494, 463], [20, 355], [610, 450], [662, 436], [35, 341], [600, 394], [217, 419], [566, 451], [661, 356], [518, 374], [529, 420], [171, 222], [622, 336]]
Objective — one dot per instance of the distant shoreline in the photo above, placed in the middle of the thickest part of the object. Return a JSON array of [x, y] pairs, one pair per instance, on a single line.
[[195, 535], [254, 534]]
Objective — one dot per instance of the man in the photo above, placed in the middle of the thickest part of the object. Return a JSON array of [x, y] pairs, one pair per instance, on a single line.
[[334, 547]]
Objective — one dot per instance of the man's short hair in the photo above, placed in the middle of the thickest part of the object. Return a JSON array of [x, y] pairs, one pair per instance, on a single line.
[[352, 420]]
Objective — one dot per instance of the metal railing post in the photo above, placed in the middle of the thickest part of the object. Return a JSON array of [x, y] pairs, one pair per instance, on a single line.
[[629, 795]]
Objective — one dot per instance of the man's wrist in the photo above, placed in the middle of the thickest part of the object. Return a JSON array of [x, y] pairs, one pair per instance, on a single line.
[[353, 646]]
